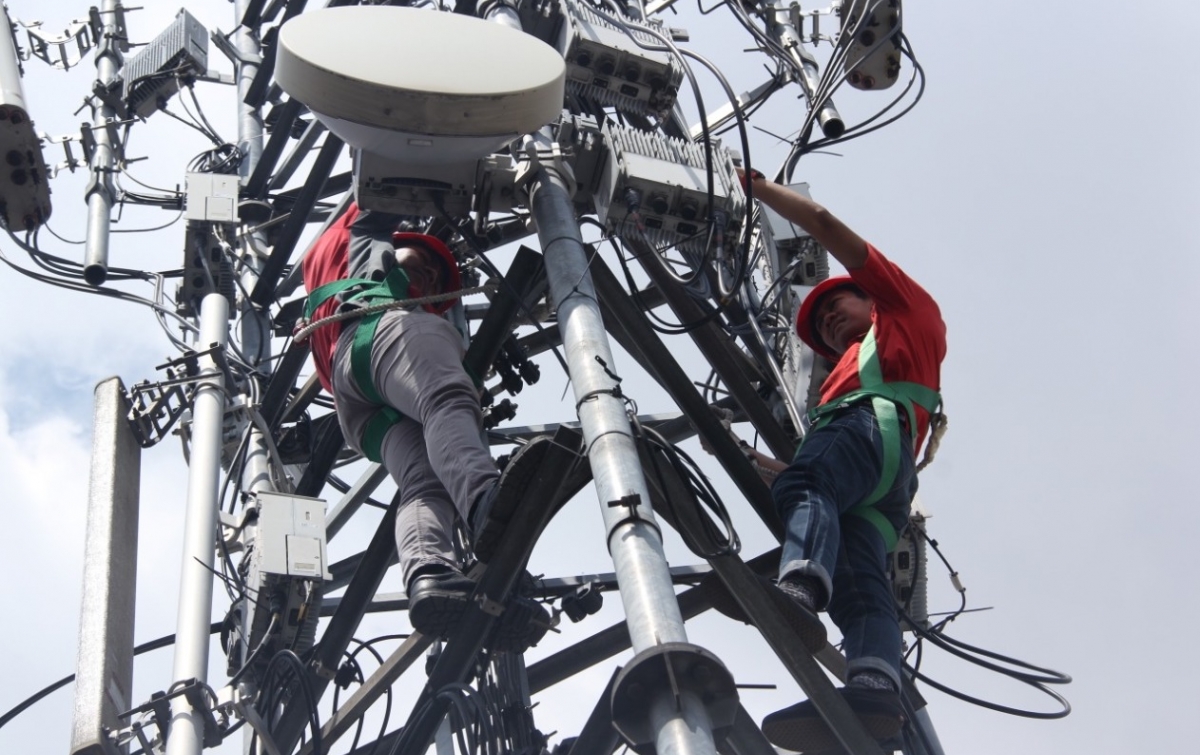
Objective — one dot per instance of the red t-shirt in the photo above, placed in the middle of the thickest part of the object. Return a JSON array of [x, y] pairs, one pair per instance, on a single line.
[[910, 336], [325, 263]]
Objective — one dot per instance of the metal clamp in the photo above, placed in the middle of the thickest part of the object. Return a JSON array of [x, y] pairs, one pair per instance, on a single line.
[[541, 151]]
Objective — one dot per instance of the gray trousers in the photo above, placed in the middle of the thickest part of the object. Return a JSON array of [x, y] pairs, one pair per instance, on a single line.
[[436, 454]]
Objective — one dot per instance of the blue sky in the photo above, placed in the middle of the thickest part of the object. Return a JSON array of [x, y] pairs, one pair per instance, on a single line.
[[1044, 191]]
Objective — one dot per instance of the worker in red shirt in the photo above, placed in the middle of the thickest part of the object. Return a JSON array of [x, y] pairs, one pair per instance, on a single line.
[[846, 495], [403, 399]]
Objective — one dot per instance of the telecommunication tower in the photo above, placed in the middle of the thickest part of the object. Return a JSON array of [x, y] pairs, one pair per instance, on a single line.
[[491, 124]]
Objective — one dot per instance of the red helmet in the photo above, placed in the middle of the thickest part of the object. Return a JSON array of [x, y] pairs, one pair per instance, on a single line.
[[805, 327], [435, 245]]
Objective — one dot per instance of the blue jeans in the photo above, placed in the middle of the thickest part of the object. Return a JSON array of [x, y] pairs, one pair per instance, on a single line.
[[836, 468]]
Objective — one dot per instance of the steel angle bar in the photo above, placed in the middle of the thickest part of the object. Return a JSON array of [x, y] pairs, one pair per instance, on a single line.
[[598, 736], [752, 596], [343, 572], [285, 242], [370, 690], [275, 398], [381, 603], [750, 593], [302, 398], [337, 184], [295, 276], [299, 152], [524, 278], [745, 738], [353, 499], [256, 93], [281, 133], [328, 652], [326, 447], [715, 344], [615, 639], [548, 337], [379, 746], [539, 502], [672, 377]]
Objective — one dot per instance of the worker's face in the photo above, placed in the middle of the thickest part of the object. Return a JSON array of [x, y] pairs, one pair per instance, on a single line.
[[424, 269], [842, 318]]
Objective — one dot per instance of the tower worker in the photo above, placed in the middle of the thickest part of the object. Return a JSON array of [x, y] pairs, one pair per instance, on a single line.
[[845, 496], [404, 399]]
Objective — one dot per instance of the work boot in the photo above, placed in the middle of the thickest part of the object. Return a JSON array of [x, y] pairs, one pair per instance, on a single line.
[[436, 600], [439, 597], [522, 625], [797, 612], [801, 728], [495, 508]]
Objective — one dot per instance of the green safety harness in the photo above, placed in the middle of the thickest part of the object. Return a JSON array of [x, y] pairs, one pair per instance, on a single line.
[[394, 287], [884, 398]]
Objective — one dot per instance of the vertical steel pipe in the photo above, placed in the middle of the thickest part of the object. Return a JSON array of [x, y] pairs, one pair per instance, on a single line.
[[634, 539], [99, 193], [255, 323], [779, 25], [199, 545]]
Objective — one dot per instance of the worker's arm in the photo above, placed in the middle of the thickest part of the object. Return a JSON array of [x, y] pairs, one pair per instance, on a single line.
[[846, 246], [370, 253]]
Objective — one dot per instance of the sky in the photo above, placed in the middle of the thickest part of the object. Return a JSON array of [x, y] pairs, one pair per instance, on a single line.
[[1044, 191]]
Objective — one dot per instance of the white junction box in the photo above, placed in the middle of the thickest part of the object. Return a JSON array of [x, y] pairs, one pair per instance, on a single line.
[[291, 536], [212, 197]]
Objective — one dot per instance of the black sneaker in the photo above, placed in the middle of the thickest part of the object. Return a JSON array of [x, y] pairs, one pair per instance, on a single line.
[[802, 729], [803, 620], [495, 509]]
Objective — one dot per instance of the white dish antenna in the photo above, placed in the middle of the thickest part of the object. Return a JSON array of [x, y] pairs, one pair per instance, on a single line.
[[419, 86]]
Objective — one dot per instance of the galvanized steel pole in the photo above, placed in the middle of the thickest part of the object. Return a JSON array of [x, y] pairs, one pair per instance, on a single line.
[[634, 539], [256, 324], [100, 188], [199, 545]]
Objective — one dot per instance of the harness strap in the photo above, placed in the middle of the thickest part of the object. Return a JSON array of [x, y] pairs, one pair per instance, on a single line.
[[885, 397], [376, 430], [394, 287]]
